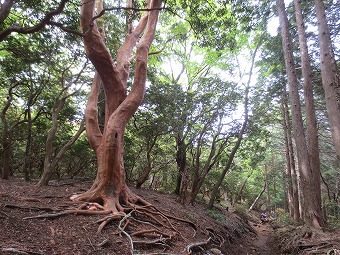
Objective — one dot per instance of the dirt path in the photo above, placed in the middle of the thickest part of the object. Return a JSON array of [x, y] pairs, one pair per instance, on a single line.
[[264, 242]]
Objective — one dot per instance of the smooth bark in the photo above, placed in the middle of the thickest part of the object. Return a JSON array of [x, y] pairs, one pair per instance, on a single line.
[[257, 198], [46, 20], [109, 187]]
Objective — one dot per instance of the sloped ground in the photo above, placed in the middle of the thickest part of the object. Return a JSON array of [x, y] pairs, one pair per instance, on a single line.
[[226, 233], [77, 234], [307, 241]]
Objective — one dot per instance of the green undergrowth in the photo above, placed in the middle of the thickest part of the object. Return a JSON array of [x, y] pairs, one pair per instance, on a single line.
[[217, 215]]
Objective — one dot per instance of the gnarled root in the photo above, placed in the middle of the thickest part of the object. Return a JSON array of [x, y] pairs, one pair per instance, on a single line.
[[138, 220]]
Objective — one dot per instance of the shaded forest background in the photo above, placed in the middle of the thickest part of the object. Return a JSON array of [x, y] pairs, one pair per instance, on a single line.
[[213, 123]]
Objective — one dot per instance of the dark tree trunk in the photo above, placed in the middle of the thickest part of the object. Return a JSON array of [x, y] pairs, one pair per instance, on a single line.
[[146, 173], [27, 163], [181, 160]]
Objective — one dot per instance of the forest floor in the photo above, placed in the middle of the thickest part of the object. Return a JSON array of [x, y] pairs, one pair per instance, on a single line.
[[200, 232]]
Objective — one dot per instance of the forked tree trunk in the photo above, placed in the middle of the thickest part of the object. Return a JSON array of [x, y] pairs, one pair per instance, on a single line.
[[109, 187]]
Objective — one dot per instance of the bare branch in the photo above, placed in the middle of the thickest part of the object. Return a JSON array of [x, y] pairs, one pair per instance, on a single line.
[[37, 27], [65, 29]]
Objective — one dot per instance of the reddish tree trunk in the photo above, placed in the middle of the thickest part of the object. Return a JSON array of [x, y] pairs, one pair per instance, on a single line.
[[109, 187]]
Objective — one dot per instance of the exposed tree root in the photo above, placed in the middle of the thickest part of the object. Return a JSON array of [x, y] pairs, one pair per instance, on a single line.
[[139, 221], [20, 251], [190, 247], [307, 241], [30, 208]]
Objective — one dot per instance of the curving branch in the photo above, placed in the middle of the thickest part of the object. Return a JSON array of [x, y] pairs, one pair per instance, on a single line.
[[136, 95], [96, 49], [29, 30]]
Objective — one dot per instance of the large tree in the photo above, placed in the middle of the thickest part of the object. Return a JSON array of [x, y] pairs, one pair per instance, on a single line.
[[311, 127], [311, 210], [330, 74], [109, 188]]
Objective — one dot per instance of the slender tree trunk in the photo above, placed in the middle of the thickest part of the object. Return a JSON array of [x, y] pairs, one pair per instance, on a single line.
[[287, 175], [214, 154], [310, 208], [109, 187], [6, 139], [257, 198], [51, 161], [49, 166], [27, 169], [267, 186], [6, 153], [240, 135], [286, 198], [146, 173], [293, 171], [240, 190], [181, 160]]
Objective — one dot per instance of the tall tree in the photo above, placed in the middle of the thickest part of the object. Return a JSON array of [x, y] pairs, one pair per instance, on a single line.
[[311, 211], [330, 75], [311, 123], [109, 187], [293, 193]]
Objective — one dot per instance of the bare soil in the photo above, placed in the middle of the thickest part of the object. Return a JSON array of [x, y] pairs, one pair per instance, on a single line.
[[57, 233]]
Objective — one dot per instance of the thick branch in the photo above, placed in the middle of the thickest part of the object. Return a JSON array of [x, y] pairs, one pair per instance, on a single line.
[[136, 95], [93, 132], [125, 51], [37, 27], [97, 51], [5, 9]]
